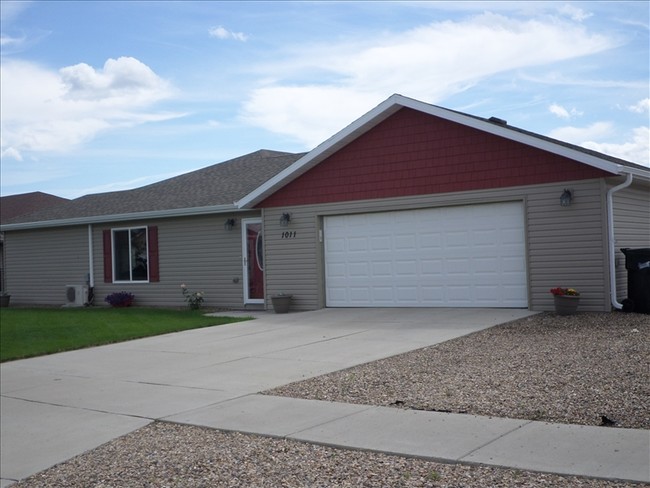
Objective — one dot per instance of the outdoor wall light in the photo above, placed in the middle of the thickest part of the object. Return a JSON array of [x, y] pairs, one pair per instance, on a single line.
[[566, 197], [229, 224], [285, 219]]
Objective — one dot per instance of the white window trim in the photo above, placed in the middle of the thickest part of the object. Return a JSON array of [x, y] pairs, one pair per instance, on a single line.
[[113, 248]]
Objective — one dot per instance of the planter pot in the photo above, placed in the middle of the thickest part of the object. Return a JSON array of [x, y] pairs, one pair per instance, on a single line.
[[566, 304], [4, 300], [281, 303]]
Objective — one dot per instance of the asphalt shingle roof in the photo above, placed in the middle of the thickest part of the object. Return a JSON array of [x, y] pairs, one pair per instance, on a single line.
[[13, 206], [219, 184]]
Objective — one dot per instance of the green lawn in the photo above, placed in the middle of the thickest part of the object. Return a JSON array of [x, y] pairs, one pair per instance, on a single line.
[[28, 332]]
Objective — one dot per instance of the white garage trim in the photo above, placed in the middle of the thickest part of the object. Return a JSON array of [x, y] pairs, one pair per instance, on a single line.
[[461, 256]]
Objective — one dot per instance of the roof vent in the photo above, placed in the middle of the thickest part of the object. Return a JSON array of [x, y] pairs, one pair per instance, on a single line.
[[497, 120]]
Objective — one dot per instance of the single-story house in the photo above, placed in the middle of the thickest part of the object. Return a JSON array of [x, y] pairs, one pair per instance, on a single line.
[[412, 205]]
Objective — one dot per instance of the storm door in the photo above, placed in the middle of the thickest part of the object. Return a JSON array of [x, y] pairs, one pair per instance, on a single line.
[[253, 260]]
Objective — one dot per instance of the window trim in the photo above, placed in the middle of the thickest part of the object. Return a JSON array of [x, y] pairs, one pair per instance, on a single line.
[[114, 261], [153, 249]]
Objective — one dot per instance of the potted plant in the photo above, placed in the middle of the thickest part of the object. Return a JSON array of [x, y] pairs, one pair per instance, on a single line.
[[281, 302], [4, 299], [566, 300]]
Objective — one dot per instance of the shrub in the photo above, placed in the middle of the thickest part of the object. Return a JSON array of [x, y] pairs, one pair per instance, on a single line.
[[193, 299], [120, 299]]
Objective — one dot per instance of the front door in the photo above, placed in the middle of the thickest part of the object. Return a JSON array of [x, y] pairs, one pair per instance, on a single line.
[[253, 262]]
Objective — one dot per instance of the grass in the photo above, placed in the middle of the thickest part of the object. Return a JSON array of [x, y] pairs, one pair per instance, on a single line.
[[29, 332]]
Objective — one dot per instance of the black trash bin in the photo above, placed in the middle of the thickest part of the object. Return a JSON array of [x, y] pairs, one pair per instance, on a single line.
[[637, 263]]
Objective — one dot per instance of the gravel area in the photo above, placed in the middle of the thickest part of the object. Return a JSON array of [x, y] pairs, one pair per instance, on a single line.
[[573, 369], [588, 369], [169, 455]]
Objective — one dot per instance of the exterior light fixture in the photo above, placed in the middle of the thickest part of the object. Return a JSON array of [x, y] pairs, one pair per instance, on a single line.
[[565, 198], [285, 219], [229, 224]]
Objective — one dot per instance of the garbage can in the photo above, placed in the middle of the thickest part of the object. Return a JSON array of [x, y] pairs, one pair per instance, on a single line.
[[637, 263]]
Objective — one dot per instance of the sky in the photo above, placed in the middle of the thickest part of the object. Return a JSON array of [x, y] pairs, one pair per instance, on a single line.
[[106, 96]]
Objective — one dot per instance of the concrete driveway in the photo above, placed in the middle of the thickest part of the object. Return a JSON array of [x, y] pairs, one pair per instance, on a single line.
[[56, 407]]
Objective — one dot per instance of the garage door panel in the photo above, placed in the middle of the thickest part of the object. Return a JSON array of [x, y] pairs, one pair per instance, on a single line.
[[358, 269], [335, 270], [454, 256]]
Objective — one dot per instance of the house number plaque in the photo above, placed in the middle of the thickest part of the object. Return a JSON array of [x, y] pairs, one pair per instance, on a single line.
[[289, 235]]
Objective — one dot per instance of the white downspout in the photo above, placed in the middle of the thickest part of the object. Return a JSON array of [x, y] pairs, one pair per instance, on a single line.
[[91, 274], [610, 235]]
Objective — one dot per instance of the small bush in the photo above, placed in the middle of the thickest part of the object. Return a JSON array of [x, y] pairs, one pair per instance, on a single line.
[[194, 299], [120, 299]]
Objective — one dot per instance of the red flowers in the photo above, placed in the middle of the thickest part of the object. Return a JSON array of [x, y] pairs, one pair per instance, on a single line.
[[565, 292]]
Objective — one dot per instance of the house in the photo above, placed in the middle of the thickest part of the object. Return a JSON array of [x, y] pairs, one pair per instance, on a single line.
[[13, 206], [412, 205]]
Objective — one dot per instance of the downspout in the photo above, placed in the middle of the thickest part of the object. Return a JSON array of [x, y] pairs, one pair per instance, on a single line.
[[91, 272], [610, 233]]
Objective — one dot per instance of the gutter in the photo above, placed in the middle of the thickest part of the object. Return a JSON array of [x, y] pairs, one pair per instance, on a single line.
[[610, 235], [97, 219]]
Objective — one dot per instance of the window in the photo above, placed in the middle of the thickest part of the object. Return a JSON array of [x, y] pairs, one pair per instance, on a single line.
[[131, 254]]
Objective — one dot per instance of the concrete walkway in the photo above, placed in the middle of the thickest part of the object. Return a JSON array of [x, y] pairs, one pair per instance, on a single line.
[[56, 407]]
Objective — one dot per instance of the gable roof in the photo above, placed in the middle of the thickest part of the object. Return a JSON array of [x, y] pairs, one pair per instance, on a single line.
[[213, 189], [13, 206], [396, 102]]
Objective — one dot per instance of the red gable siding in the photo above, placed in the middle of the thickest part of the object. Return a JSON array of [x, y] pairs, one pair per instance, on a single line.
[[413, 153]]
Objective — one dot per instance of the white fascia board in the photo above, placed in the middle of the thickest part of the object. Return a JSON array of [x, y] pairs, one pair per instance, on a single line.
[[514, 135], [392, 105], [99, 219]]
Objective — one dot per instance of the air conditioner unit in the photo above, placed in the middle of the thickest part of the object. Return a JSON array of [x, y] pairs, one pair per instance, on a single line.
[[76, 295]]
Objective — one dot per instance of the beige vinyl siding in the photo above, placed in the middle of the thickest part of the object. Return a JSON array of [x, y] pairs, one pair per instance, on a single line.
[[40, 263], [195, 251], [565, 246], [631, 228], [292, 264]]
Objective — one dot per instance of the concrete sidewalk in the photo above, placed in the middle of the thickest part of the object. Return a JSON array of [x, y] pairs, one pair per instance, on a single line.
[[523, 444], [55, 407]]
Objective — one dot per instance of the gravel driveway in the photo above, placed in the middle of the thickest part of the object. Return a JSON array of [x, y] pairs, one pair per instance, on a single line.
[[574, 369]]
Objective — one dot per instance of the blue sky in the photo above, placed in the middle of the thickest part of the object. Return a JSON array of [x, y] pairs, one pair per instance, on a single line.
[[104, 96]]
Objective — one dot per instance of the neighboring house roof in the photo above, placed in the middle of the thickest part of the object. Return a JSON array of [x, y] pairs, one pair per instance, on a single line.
[[209, 190], [13, 206], [396, 102]]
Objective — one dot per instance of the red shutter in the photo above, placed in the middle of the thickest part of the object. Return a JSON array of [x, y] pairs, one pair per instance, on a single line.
[[108, 257], [154, 273]]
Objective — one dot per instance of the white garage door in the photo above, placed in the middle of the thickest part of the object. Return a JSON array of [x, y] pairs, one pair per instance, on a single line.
[[463, 256]]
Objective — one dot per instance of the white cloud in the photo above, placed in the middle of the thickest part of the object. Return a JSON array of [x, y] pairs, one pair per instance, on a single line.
[[11, 153], [559, 110], [574, 13], [293, 111], [641, 107], [6, 41], [44, 110], [578, 135], [122, 78], [221, 32], [636, 148], [562, 112], [429, 63]]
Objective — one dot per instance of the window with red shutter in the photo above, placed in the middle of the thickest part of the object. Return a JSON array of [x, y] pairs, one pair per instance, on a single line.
[[131, 254]]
